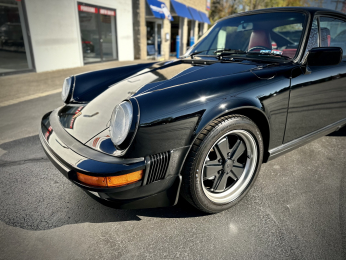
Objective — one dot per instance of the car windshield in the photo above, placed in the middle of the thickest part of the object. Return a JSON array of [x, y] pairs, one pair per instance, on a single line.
[[276, 34]]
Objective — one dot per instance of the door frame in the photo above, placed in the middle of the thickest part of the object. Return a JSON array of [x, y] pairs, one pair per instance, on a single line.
[[156, 21]]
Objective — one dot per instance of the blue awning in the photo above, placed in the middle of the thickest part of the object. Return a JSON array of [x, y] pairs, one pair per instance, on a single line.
[[181, 9], [159, 10], [195, 14], [204, 17]]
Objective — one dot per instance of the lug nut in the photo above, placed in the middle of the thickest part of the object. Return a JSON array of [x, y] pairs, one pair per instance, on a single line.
[[220, 160], [229, 155]]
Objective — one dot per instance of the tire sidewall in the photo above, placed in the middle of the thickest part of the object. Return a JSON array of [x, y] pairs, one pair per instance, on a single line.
[[235, 123]]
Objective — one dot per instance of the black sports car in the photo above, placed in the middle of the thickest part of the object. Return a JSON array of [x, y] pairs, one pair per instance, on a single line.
[[201, 126]]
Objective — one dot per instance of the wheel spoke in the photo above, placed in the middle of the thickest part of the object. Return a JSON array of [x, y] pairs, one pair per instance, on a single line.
[[218, 154], [223, 147], [221, 183], [211, 170], [238, 170], [238, 149]]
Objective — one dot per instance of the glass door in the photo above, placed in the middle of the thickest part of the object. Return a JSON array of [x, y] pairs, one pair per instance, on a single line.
[[98, 33], [107, 33], [159, 38], [154, 38], [90, 39], [151, 39]]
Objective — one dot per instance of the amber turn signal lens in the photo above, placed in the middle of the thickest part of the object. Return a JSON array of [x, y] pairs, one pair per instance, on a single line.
[[111, 181], [91, 180], [121, 180]]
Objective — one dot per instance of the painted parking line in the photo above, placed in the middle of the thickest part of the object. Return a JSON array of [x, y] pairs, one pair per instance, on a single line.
[[14, 101]]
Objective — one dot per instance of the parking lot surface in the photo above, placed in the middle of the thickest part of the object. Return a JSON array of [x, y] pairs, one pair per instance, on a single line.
[[296, 209]]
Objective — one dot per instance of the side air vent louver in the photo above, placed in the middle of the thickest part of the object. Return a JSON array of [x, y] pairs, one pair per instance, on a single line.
[[158, 166]]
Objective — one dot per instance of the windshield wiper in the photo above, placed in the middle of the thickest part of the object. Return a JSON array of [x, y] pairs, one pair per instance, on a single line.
[[228, 52], [231, 51], [217, 51], [223, 52], [195, 53]]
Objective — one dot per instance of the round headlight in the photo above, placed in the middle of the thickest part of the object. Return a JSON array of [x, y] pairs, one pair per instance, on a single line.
[[121, 122], [66, 87]]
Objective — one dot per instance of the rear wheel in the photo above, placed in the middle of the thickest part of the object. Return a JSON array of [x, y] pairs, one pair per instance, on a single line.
[[223, 163]]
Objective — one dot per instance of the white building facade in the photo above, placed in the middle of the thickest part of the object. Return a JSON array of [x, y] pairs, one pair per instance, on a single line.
[[45, 35]]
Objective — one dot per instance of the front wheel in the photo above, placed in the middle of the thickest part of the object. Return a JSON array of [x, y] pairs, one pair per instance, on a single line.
[[223, 163]]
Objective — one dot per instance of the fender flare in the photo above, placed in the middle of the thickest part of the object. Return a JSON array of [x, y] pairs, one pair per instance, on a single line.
[[231, 106], [225, 107]]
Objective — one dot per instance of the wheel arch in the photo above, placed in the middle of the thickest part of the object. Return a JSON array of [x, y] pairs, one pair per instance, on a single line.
[[260, 120], [251, 111]]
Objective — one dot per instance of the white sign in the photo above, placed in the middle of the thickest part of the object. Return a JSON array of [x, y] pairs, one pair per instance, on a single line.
[[107, 12]]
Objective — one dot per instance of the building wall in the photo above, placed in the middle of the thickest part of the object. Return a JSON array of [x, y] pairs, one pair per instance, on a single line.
[[166, 45], [55, 33], [200, 5], [139, 29]]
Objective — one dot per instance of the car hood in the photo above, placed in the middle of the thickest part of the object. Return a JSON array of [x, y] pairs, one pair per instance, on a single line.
[[84, 122]]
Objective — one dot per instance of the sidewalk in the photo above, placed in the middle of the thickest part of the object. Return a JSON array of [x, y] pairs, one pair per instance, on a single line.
[[21, 87]]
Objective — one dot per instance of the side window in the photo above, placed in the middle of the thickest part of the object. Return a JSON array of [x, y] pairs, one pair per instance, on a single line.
[[333, 33], [313, 37]]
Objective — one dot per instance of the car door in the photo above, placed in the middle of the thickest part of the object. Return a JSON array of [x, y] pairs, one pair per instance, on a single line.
[[319, 99]]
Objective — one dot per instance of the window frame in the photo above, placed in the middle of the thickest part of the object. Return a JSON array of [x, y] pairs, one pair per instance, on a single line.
[[303, 40]]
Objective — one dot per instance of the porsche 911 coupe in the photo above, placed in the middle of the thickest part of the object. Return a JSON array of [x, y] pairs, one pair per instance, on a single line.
[[200, 127]]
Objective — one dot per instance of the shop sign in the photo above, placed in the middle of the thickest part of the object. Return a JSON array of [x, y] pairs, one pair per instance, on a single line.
[[88, 9], [208, 5], [107, 12]]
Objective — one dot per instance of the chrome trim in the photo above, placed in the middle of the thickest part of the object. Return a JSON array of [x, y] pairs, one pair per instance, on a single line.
[[287, 147], [82, 149], [122, 152]]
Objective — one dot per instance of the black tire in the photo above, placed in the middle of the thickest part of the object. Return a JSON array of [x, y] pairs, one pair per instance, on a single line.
[[193, 188]]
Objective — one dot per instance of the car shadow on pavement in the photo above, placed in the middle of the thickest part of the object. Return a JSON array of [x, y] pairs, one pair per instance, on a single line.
[[36, 196], [340, 132]]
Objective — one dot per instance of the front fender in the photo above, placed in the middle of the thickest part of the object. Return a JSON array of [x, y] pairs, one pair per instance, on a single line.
[[227, 106]]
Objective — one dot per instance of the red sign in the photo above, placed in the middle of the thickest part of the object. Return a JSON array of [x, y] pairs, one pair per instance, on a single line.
[[107, 12], [88, 9]]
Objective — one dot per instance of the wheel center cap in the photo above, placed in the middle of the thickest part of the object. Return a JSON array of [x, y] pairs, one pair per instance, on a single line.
[[228, 165]]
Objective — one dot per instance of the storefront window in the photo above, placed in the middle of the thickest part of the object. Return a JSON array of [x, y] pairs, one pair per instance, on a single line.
[[98, 33], [151, 50], [14, 50]]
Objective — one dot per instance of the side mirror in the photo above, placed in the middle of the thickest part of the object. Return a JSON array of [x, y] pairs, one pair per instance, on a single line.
[[323, 56]]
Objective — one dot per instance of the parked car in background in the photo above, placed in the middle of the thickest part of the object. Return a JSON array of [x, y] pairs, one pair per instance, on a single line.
[[202, 125]]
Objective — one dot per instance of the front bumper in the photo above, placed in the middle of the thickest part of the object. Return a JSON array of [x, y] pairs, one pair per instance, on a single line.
[[70, 156]]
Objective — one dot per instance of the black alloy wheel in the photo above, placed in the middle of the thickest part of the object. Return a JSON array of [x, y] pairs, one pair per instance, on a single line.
[[223, 163]]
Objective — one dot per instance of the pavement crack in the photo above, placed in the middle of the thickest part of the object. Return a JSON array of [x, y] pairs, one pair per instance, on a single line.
[[21, 162]]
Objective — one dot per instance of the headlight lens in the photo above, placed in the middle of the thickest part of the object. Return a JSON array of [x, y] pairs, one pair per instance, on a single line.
[[121, 122], [66, 88]]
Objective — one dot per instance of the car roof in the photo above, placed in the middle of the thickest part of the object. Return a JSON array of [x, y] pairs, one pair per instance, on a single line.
[[311, 10]]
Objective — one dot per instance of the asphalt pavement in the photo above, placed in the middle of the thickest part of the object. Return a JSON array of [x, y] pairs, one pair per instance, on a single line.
[[296, 209]]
